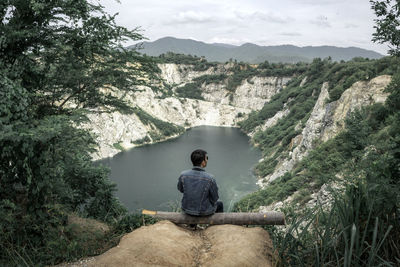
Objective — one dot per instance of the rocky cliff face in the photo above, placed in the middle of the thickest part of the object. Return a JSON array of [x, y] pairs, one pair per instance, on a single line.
[[253, 93], [327, 120], [221, 107]]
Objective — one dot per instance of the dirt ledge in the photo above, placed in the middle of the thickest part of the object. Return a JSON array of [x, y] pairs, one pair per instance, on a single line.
[[166, 244]]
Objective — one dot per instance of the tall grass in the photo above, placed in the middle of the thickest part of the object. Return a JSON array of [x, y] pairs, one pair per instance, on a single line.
[[351, 232]]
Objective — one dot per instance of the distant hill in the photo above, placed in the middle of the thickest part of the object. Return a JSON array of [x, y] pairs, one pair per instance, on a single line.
[[253, 53]]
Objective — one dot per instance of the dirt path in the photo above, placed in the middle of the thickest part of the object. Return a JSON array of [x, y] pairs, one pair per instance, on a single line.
[[165, 244]]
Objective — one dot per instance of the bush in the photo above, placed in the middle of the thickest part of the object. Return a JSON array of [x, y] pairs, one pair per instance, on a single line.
[[165, 129], [190, 90], [361, 226]]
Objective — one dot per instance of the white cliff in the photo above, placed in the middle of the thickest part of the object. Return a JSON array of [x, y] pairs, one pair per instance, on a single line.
[[115, 128], [187, 112], [257, 91], [327, 120], [360, 94], [253, 93], [175, 74], [117, 131]]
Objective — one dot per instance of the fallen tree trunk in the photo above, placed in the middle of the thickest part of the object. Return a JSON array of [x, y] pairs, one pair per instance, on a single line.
[[239, 218]]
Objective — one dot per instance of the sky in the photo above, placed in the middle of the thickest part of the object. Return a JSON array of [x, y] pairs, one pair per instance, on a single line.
[[342, 23]]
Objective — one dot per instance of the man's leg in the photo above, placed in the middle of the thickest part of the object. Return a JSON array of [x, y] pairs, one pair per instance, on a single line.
[[220, 206]]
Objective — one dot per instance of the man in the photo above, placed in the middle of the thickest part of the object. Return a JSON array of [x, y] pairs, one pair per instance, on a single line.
[[200, 191]]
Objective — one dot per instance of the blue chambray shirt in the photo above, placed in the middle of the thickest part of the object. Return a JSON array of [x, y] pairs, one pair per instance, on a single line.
[[200, 192]]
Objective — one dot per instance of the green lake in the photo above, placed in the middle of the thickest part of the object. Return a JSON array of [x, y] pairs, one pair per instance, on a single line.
[[146, 176]]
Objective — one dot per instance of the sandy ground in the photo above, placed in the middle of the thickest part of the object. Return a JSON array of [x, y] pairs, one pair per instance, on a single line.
[[166, 244]]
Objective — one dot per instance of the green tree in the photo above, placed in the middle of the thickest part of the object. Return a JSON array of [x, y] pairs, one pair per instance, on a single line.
[[387, 24], [56, 58]]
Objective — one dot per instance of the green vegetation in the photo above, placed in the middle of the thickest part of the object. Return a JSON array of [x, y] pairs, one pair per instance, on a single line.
[[207, 79], [162, 128], [360, 226], [243, 71], [142, 141], [342, 76], [366, 158], [190, 90], [387, 24], [239, 72], [57, 58], [118, 146], [300, 101], [198, 63]]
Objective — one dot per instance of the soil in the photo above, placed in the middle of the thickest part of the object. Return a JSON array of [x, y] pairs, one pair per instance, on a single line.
[[166, 244]]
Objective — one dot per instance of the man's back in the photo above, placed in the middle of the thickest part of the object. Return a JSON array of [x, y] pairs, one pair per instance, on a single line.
[[200, 191]]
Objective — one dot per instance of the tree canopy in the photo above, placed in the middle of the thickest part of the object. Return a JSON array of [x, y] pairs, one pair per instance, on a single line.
[[57, 58], [387, 24]]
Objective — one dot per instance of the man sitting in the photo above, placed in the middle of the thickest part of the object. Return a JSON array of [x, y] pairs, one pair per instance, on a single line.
[[199, 188]]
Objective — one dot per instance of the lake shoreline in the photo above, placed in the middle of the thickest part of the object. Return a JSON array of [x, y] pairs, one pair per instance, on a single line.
[[233, 161]]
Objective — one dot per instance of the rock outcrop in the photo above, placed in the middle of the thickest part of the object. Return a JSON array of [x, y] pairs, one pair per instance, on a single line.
[[252, 93], [327, 120]]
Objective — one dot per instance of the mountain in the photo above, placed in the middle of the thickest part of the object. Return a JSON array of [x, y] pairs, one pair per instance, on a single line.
[[253, 53]]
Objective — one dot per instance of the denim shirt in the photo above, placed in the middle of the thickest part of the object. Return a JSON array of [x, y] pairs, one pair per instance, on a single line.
[[200, 192]]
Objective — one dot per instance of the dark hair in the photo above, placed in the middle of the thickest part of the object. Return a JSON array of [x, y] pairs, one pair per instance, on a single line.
[[198, 156]]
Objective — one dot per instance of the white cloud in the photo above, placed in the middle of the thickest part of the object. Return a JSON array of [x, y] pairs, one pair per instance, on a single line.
[[291, 34], [262, 16], [191, 17], [321, 21], [264, 22], [350, 25]]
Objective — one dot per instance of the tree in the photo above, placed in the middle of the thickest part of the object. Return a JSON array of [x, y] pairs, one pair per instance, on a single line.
[[56, 58], [387, 24], [69, 50]]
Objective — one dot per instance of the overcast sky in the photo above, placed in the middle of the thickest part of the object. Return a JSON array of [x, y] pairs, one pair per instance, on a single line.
[[340, 23]]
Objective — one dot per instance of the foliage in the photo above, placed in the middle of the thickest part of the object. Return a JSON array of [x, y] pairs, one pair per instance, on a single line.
[[118, 146], [162, 128], [242, 71], [351, 232], [130, 222], [190, 90], [210, 78], [143, 140], [56, 57], [362, 226], [193, 89], [198, 63], [387, 24], [299, 101], [236, 74], [342, 75], [293, 95]]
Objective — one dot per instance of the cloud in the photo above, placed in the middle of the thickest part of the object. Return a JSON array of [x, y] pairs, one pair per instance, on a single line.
[[318, 2], [350, 26], [321, 21], [290, 34], [262, 16], [297, 22], [191, 17]]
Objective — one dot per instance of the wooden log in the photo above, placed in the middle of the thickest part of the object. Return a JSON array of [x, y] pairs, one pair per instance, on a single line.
[[239, 218]]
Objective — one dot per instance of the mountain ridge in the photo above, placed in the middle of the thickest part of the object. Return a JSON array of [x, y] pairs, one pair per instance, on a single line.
[[253, 53]]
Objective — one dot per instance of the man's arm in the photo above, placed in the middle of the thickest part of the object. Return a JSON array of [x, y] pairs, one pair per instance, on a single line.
[[180, 184], [213, 191]]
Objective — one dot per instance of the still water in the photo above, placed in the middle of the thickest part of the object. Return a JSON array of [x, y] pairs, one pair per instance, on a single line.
[[146, 176]]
